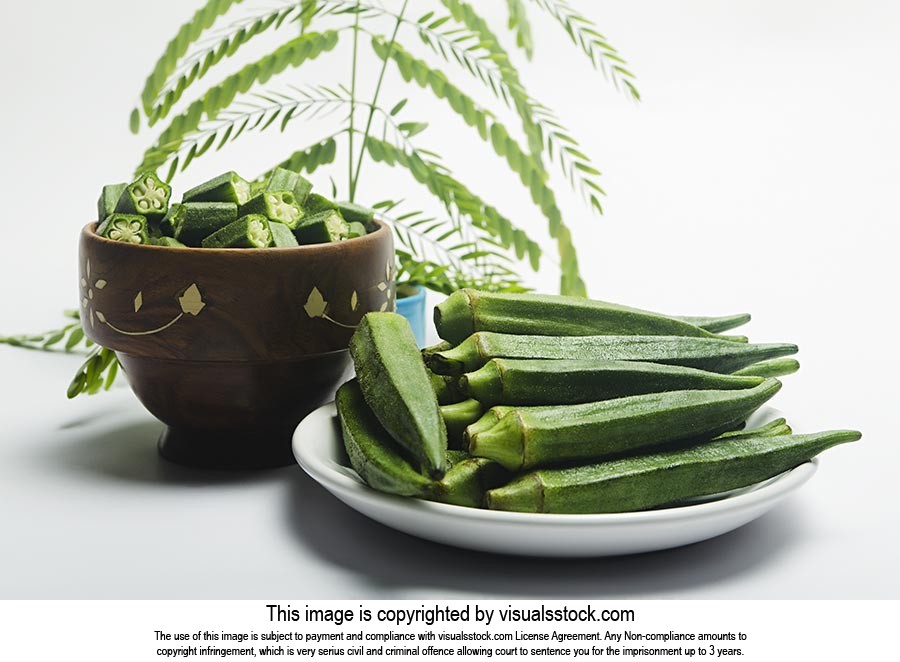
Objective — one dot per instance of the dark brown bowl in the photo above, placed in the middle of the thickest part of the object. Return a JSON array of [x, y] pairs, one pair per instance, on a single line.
[[231, 348]]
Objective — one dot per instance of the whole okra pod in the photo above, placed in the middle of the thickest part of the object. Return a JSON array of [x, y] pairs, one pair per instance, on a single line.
[[711, 354], [466, 311], [649, 481], [541, 382], [578, 433]]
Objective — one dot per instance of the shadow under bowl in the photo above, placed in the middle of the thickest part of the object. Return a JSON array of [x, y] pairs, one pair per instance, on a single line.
[[231, 348]]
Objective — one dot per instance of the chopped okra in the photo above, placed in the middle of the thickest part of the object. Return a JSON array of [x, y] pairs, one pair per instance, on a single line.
[[356, 229], [250, 231], [168, 242], [322, 228], [228, 211], [278, 206], [354, 213], [109, 198], [316, 203], [282, 237], [147, 196], [127, 228], [195, 221], [227, 187], [288, 180]]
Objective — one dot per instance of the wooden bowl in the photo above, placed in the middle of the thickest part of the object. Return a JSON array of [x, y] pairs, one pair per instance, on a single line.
[[231, 348]]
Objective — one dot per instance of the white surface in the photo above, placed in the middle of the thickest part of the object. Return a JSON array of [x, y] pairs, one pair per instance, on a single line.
[[319, 450], [759, 173]]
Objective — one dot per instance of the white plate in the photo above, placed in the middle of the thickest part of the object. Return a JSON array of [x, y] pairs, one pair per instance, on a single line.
[[319, 450]]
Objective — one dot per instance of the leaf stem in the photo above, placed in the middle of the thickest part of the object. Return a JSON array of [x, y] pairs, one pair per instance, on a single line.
[[362, 149], [352, 188]]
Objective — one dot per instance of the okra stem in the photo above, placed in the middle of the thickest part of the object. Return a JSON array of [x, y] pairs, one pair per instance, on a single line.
[[457, 417]]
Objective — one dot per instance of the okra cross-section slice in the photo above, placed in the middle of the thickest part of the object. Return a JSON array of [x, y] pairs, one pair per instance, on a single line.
[[322, 228], [128, 228], [109, 198], [194, 221], [278, 206], [356, 229], [250, 231], [282, 179], [227, 187], [282, 237], [147, 196]]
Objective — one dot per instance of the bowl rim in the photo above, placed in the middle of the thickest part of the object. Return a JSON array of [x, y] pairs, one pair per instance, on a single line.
[[89, 232]]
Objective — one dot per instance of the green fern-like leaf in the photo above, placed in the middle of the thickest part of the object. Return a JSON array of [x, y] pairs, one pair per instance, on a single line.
[[291, 54], [518, 23], [308, 159], [187, 35], [196, 66], [584, 34]]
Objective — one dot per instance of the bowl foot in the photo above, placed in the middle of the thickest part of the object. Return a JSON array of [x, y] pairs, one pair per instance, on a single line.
[[233, 450]]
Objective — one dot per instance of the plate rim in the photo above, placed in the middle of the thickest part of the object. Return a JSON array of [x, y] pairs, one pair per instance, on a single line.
[[321, 470]]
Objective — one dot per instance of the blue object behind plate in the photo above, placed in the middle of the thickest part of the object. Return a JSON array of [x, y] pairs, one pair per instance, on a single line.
[[413, 309]]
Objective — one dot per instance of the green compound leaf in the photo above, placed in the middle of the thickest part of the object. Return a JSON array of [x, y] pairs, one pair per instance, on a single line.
[[294, 53], [518, 23], [187, 35]]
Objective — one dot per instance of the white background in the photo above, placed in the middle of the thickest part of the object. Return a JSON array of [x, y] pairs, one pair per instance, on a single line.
[[759, 173]]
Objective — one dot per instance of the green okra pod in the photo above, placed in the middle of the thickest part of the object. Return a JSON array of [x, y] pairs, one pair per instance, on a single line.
[[770, 368], [148, 196], [251, 231], [650, 481], [586, 432], [127, 228], [195, 221], [321, 228], [377, 459], [718, 324], [466, 311], [109, 198], [282, 237], [445, 388], [278, 206], [542, 382], [227, 187], [457, 417], [711, 354], [396, 387]]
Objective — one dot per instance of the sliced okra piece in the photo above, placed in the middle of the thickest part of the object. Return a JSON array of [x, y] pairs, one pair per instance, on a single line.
[[148, 196], [227, 187], [250, 231], [195, 221], [278, 206], [109, 198], [167, 224], [354, 213], [356, 229], [282, 179], [128, 228], [256, 187], [322, 228], [282, 237], [316, 203], [168, 242]]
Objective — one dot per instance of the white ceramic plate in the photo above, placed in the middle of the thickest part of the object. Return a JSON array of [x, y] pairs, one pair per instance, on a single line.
[[319, 450]]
